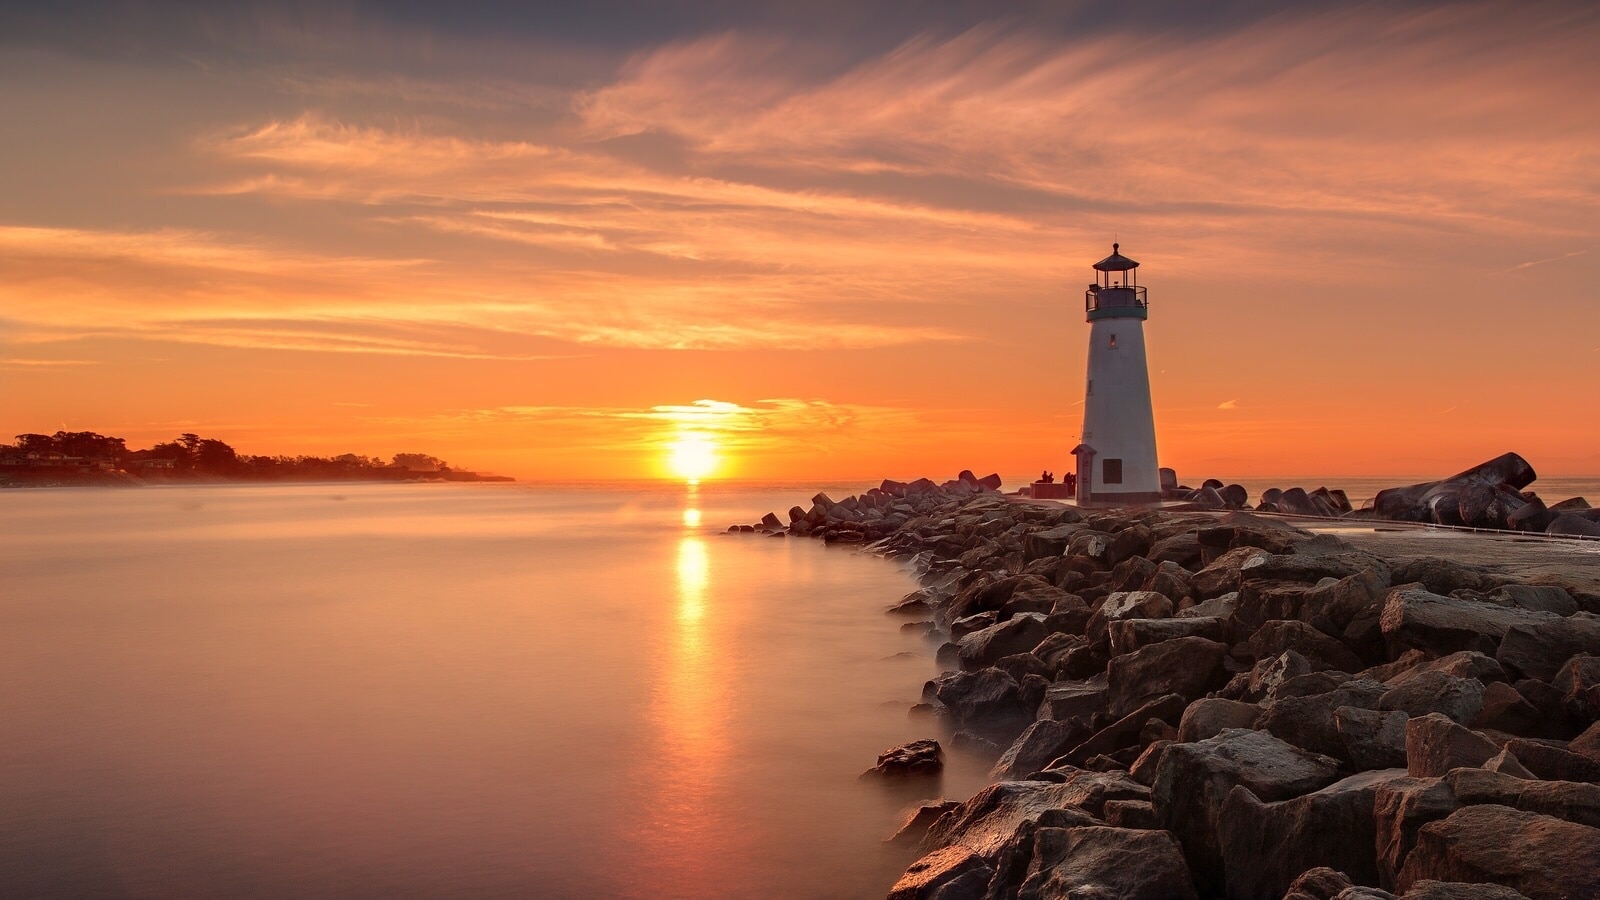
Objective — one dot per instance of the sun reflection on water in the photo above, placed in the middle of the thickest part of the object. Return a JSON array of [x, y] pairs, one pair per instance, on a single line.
[[689, 824], [691, 585]]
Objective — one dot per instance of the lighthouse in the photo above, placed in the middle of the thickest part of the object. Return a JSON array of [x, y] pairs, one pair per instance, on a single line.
[[1117, 457]]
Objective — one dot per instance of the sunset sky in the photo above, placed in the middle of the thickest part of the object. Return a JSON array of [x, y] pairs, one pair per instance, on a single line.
[[829, 242]]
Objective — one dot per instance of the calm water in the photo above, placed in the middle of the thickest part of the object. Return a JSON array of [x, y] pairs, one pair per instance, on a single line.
[[444, 691]]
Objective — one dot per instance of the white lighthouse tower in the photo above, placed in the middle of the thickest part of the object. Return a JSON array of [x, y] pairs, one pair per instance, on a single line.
[[1117, 459]]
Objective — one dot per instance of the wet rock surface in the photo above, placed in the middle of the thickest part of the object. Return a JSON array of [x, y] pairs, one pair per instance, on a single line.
[[1220, 704]]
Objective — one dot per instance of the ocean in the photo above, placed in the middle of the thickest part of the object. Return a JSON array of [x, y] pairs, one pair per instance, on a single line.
[[446, 690], [452, 690]]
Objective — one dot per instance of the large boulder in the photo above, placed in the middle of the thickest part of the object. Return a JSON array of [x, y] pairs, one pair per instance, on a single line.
[[1128, 635], [1124, 863], [1193, 782], [1416, 617], [949, 873], [984, 647], [1266, 845], [988, 701], [1322, 651], [1310, 722], [1207, 717], [1066, 700], [1125, 732], [1126, 605], [1435, 745], [994, 815], [1427, 889], [1399, 811], [1372, 739], [1439, 501], [915, 758], [1572, 801], [1540, 856], [1442, 576], [1538, 649], [1048, 542], [1459, 698], [1221, 576], [1042, 742], [1553, 763], [1187, 666]]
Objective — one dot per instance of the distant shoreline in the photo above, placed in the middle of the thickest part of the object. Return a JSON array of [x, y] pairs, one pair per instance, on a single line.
[[67, 477]]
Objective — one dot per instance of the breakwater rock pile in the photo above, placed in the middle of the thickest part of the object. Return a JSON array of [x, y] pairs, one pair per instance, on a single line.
[[1492, 495], [1220, 705], [1489, 495]]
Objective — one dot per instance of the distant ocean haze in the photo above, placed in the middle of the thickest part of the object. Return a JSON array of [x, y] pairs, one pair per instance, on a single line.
[[446, 690]]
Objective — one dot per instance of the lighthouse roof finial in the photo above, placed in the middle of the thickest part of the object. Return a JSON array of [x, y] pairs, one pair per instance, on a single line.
[[1116, 262]]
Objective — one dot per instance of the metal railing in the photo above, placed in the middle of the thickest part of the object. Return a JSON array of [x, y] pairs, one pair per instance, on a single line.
[[1115, 297]]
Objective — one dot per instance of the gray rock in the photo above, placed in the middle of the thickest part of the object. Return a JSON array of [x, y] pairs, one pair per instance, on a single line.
[[914, 758], [1399, 811], [1266, 845], [1221, 576], [1048, 542], [1572, 801], [1188, 666], [1435, 745], [1416, 617], [1207, 717], [1457, 890], [983, 648], [914, 827], [1128, 635], [1459, 698], [1537, 649], [1040, 743], [950, 873], [1193, 781], [1554, 763], [988, 701], [1538, 597], [1372, 739], [1321, 650], [1320, 883], [1538, 855], [1125, 863], [1066, 700], [1310, 722], [1124, 733]]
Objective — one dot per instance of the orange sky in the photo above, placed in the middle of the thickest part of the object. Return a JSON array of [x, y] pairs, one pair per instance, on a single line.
[[849, 248]]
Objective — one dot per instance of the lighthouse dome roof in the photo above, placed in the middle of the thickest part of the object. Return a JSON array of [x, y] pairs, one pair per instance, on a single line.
[[1116, 262]]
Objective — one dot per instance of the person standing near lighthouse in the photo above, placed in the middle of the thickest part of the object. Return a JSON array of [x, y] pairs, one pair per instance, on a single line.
[[1117, 457]]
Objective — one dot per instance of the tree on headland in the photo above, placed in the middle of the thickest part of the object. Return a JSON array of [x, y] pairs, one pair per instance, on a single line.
[[419, 462], [83, 444]]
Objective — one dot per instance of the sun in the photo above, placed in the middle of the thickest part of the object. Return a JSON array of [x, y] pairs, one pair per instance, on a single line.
[[692, 457]]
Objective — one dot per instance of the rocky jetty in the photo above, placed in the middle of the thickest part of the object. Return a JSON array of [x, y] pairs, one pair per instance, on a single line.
[[1217, 704]]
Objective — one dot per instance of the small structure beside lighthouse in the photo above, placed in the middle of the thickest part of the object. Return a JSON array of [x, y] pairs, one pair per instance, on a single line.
[[1117, 457]]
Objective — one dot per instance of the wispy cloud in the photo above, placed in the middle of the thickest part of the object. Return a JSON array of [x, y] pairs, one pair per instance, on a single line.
[[1228, 404], [21, 363], [1549, 259]]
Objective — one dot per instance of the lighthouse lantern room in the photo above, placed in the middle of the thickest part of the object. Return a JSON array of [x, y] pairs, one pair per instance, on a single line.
[[1117, 457]]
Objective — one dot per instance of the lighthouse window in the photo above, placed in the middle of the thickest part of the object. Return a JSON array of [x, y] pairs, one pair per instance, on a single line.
[[1113, 342], [1091, 387], [1112, 471]]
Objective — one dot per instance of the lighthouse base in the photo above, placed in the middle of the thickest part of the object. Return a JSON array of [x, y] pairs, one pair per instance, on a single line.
[[1127, 498]]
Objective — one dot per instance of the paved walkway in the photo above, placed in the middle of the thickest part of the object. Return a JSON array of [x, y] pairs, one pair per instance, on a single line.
[[1576, 562]]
